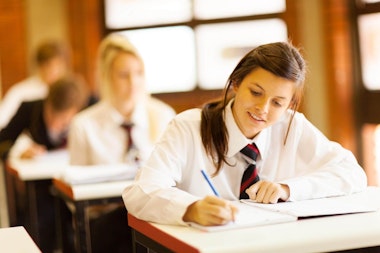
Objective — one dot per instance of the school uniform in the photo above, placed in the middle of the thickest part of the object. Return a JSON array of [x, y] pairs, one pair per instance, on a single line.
[[30, 89], [310, 164], [29, 118], [96, 136]]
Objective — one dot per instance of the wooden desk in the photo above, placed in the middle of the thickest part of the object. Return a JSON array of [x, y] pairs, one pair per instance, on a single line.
[[324, 234], [16, 239], [25, 179], [82, 197]]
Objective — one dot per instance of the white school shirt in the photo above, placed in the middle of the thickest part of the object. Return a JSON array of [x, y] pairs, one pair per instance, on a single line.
[[171, 180], [30, 89], [96, 136]]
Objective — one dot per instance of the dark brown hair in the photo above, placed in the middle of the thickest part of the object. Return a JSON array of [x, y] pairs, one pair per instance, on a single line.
[[67, 92], [281, 59], [50, 49]]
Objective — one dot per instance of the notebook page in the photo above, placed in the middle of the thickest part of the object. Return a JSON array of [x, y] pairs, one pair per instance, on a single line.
[[355, 203], [249, 216]]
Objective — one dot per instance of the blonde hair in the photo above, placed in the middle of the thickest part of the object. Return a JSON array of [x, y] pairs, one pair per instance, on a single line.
[[109, 49]]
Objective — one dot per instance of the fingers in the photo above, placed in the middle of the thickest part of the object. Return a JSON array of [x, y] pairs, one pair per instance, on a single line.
[[32, 151], [219, 210], [268, 192], [211, 211]]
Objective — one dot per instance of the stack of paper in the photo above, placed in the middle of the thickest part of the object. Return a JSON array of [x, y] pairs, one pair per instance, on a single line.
[[98, 173]]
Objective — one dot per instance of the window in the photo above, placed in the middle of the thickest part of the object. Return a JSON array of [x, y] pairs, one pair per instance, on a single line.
[[366, 15], [194, 44], [220, 46], [169, 57], [211, 9], [369, 37], [121, 14]]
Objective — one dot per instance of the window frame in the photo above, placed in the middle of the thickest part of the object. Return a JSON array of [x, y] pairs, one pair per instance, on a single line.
[[181, 101]]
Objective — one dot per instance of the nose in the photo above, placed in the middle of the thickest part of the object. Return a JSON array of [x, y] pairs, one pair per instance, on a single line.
[[263, 105]]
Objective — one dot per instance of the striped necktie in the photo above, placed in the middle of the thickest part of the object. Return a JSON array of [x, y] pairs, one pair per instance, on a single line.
[[250, 175]]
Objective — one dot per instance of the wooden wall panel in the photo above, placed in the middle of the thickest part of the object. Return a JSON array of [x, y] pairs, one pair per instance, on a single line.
[[339, 67], [85, 27], [13, 56]]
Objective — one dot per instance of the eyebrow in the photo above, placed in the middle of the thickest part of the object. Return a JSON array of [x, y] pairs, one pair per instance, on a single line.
[[278, 97]]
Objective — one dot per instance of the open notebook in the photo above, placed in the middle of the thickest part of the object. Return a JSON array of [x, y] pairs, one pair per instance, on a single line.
[[249, 216], [256, 214]]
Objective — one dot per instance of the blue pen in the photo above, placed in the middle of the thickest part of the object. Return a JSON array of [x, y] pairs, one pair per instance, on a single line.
[[209, 183]]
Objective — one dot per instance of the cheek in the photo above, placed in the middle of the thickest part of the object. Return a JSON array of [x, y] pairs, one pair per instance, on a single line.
[[120, 87], [275, 114]]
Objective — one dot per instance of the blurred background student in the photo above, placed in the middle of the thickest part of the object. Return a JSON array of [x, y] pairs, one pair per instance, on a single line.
[[52, 61], [45, 123], [120, 129]]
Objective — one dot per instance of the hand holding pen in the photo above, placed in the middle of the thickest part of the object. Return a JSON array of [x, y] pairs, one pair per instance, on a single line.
[[211, 210]]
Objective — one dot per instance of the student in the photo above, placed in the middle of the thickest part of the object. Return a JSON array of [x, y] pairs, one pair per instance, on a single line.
[[295, 160], [45, 121], [97, 135], [52, 62]]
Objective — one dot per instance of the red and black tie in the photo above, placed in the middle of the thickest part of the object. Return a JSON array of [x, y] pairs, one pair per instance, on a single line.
[[250, 175]]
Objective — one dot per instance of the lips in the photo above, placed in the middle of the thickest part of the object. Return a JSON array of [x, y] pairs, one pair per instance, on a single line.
[[255, 117]]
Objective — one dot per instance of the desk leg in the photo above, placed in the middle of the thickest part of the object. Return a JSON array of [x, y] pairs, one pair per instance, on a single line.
[[40, 214], [82, 225], [150, 245], [11, 198], [31, 207]]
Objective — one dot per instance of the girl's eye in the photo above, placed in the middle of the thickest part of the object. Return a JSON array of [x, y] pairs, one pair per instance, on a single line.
[[255, 93], [277, 104]]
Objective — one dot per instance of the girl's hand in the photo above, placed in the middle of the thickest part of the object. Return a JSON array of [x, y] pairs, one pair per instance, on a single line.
[[268, 192], [210, 211], [33, 150]]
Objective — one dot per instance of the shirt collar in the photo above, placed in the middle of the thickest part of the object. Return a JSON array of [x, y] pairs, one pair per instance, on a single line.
[[139, 116], [237, 140]]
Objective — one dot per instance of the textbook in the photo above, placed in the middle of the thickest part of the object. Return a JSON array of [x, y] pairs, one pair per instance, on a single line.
[[253, 214]]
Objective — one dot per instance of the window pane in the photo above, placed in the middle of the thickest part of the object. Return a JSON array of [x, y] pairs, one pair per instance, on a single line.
[[209, 9], [169, 56], [221, 46], [370, 1], [133, 13], [369, 37]]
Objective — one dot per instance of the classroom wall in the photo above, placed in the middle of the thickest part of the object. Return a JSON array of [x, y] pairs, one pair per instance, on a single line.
[[316, 103], [45, 19]]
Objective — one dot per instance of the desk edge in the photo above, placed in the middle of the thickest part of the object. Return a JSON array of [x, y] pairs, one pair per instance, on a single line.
[[159, 236], [64, 188]]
